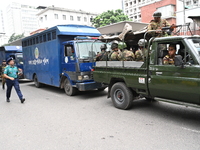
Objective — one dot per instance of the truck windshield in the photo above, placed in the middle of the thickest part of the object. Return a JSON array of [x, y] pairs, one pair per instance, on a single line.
[[19, 58], [88, 49], [196, 43]]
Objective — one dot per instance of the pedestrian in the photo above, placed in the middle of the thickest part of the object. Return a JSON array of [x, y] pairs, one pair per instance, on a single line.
[[11, 73], [3, 66], [156, 25]]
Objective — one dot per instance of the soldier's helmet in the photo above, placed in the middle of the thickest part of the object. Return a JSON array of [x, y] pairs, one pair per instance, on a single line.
[[122, 45], [141, 42], [114, 45], [157, 14], [103, 47]]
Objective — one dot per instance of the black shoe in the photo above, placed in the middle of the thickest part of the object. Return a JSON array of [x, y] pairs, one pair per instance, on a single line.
[[22, 100], [8, 100]]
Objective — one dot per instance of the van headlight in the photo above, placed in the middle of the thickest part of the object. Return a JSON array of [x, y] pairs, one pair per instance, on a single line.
[[85, 77]]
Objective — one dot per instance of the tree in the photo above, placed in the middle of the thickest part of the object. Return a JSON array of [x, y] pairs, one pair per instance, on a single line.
[[109, 17], [14, 37]]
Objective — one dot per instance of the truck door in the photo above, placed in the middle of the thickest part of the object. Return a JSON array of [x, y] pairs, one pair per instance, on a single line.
[[171, 82], [69, 60]]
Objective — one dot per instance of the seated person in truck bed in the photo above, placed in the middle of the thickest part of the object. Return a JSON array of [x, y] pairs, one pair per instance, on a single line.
[[142, 52], [103, 56], [114, 55], [169, 58]]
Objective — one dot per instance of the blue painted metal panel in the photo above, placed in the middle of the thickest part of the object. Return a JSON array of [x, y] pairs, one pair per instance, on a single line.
[[13, 48], [78, 30]]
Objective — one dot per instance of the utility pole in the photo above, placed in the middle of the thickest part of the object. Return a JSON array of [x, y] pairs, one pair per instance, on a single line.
[[183, 12]]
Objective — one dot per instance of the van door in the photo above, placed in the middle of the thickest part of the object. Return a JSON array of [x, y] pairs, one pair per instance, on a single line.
[[69, 60], [176, 83]]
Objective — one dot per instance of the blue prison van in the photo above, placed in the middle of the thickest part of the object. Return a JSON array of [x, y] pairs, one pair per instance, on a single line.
[[62, 56], [12, 51]]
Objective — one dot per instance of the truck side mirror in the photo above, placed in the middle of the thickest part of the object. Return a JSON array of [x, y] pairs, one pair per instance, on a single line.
[[178, 60]]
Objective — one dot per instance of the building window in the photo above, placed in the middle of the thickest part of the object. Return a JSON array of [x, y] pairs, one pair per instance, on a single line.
[[64, 17], [41, 19], [79, 18], [71, 18], [45, 17], [85, 19], [56, 16]]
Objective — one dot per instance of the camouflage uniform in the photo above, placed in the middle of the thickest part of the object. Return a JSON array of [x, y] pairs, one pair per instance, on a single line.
[[140, 54], [167, 60], [103, 56], [115, 56], [158, 25], [127, 55], [3, 78]]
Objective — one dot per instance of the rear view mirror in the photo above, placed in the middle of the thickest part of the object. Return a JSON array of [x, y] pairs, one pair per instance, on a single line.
[[178, 60]]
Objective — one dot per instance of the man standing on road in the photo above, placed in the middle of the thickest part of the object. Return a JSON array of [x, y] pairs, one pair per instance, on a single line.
[[3, 66], [11, 74]]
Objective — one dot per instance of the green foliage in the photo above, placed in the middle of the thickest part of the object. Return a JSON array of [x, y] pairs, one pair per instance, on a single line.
[[14, 37], [109, 17]]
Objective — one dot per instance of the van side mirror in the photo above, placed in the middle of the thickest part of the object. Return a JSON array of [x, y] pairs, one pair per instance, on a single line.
[[178, 61]]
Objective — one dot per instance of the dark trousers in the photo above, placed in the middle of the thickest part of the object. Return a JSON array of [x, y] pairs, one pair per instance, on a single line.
[[10, 84]]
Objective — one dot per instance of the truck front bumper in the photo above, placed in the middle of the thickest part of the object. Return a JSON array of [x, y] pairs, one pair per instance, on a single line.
[[89, 86]]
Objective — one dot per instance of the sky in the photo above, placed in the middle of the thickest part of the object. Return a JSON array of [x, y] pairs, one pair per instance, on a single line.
[[97, 6]]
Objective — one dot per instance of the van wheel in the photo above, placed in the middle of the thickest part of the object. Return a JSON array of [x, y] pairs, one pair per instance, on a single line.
[[121, 96], [69, 90], [37, 84]]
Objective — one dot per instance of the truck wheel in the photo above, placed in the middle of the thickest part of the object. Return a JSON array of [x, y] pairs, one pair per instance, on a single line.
[[121, 96], [69, 90], [37, 84]]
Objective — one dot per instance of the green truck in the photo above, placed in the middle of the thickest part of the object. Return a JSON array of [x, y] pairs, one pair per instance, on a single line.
[[151, 79]]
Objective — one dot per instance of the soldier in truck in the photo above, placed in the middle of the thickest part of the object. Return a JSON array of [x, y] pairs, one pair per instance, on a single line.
[[157, 25], [169, 58]]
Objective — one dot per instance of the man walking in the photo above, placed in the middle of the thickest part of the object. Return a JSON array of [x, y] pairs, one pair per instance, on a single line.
[[11, 74]]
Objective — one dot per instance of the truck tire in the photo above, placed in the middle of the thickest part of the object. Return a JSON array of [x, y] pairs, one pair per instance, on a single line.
[[121, 96], [69, 90], [37, 84]]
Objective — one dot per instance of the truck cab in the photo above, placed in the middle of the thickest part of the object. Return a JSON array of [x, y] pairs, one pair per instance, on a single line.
[[78, 60]]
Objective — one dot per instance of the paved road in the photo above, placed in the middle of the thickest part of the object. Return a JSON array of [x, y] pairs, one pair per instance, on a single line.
[[50, 120]]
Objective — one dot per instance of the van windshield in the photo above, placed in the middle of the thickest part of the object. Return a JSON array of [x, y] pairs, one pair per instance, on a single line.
[[88, 49], [19, 58]]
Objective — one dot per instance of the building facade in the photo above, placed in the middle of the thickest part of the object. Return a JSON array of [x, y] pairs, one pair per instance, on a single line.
[[52, 16], [132, 8], [166, 7], [20, 19]]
